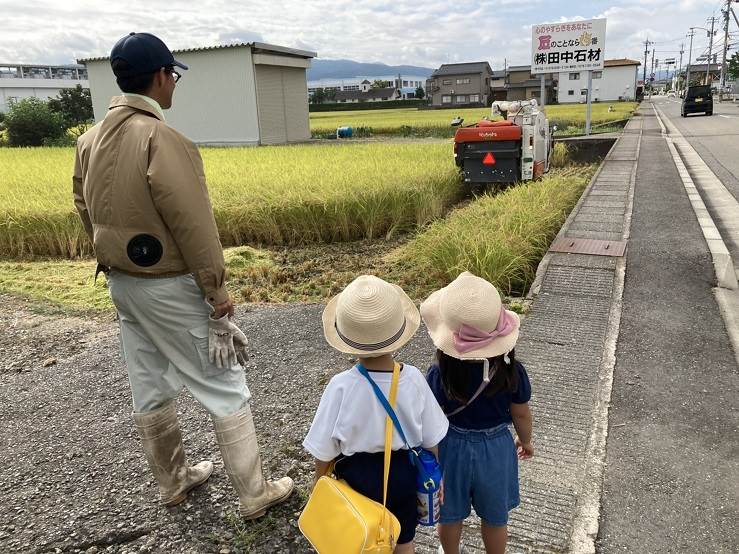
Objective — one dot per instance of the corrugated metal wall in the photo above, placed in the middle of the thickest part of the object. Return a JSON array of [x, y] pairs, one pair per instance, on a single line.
[[282, 94]]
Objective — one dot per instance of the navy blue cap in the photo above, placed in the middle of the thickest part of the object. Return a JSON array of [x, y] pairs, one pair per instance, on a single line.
[[144, 52]]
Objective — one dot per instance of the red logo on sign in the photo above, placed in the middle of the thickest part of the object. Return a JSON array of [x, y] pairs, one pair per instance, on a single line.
[[544, 41]]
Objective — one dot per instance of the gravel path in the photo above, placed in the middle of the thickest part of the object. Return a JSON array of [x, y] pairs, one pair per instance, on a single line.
[[74, 477]]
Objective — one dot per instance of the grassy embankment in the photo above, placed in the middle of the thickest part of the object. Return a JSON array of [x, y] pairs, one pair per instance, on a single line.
[[570, 119]]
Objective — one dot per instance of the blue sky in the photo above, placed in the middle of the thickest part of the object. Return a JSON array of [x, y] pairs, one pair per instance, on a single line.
[[426, 33]]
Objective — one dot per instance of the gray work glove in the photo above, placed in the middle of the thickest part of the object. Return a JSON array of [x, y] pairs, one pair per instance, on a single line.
[[226, 343]]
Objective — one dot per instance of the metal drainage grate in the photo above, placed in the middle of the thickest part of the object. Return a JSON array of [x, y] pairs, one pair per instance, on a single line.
[[595, 247]]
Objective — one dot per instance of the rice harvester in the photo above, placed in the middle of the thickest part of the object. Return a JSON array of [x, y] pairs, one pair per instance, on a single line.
[[517, 148]]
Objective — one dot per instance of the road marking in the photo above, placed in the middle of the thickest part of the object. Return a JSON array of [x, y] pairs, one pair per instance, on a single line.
[[728, 116]]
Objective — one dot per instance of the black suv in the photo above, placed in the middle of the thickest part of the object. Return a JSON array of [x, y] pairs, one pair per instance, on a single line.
[[697, 99]]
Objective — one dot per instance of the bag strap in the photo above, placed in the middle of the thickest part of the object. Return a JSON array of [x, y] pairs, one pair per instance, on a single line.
[[381, 397], [388, 449], [392, 416], [478, 392]]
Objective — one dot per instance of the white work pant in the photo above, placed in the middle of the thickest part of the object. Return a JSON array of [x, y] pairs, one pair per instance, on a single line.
[[164, 338]]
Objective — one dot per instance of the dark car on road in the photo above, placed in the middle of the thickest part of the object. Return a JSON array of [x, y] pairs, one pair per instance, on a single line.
[[697, 99]]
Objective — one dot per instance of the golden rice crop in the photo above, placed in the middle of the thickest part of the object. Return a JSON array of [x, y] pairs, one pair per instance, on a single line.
[[414, 121], [272, 195], [499, 237]]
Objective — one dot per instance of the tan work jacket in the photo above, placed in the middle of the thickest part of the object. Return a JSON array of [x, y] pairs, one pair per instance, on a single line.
[[134, 175]]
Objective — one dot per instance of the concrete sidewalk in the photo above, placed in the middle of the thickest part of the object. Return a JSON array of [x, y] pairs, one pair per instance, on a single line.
[[567, 344]]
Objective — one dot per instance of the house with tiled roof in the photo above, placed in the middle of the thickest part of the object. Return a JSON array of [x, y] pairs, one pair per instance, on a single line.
[[460, 84]]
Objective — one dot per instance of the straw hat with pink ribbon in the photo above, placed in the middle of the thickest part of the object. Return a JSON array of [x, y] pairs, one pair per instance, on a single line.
[[467, 320]]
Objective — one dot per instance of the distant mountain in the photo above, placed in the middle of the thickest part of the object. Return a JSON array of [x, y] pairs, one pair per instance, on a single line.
[[346, 69]]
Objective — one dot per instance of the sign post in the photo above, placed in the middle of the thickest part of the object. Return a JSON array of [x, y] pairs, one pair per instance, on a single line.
[[589, 105], [572, 46], [542, 91]]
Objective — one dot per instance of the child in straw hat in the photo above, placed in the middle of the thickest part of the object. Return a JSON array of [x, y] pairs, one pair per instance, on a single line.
[[482, 389], [371, 319]]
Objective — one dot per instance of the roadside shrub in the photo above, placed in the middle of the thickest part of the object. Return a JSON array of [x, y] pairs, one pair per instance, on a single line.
[[74, 105], [30, 121]]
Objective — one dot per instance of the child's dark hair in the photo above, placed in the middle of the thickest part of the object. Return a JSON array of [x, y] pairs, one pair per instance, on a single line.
[[456, 374]]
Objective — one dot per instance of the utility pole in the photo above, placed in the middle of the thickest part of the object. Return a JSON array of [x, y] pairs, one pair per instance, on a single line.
[[712, 20], [646, 53], [679, 68], [722, 80], [691, 34], [651, 83]]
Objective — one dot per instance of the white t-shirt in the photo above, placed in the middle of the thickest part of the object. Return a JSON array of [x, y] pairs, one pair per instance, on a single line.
[[350, 418]]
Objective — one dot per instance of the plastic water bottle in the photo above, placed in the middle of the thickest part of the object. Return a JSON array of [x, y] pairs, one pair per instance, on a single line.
[[428, 488]]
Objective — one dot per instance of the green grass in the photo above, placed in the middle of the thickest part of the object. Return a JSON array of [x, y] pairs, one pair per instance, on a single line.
[[414, 122], [268, 195], [499, 237]]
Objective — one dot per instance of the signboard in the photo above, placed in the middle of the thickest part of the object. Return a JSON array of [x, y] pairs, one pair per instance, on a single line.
[[574, 45]]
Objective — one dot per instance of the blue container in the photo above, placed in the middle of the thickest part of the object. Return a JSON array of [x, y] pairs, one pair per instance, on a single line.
[[343, 132], [428, 488]]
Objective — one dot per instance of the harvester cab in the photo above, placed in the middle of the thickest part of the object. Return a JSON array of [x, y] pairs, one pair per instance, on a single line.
[[517, 148]]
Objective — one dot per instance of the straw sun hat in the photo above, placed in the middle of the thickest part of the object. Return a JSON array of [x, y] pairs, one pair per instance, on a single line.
[[369, 318], [467, 320]]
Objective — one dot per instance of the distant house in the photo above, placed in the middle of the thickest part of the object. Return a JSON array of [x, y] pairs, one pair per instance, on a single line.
[[523, 85], [460, 84], [368, 94], [498, 85], [617, 81]]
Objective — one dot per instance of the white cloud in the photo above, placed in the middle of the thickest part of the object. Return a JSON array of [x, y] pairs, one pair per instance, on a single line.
[[394, 32]]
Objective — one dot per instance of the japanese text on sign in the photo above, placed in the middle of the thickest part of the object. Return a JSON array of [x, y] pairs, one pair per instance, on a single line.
[[564, 46]]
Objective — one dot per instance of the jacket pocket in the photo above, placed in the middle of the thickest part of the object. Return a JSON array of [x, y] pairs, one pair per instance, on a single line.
[[199, 336]]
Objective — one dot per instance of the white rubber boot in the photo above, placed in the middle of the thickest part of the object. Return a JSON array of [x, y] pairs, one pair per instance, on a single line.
[[162, 443], [237, 439]]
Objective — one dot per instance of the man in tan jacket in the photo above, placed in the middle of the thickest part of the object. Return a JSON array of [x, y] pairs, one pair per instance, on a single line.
[[139, 187]]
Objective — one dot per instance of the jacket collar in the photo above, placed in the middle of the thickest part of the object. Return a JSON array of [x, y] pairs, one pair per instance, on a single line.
[[136, 103]]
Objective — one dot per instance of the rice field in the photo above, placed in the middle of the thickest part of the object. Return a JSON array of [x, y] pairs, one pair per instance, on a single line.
[[436, 122], [499, 237], [267, 195]]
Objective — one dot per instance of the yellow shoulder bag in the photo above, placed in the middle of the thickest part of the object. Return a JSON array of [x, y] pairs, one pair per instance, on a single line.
[[339, 520]]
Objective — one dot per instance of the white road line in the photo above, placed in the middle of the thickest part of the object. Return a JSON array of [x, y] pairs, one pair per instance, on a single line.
[[728, 116]]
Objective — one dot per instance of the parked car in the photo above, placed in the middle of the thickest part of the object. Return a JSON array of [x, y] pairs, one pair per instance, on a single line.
[[697, 99], [671, 94]]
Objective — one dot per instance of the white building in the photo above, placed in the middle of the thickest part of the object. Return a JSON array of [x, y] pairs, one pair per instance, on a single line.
[[617, 81], [406, 83], [239, 94], [19, 81]]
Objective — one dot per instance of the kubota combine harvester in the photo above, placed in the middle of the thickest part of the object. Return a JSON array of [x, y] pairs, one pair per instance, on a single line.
[[515, 149]]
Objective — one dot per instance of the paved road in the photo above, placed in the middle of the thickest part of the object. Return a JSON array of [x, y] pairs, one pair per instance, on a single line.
[[672, 476], [715, 138]]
